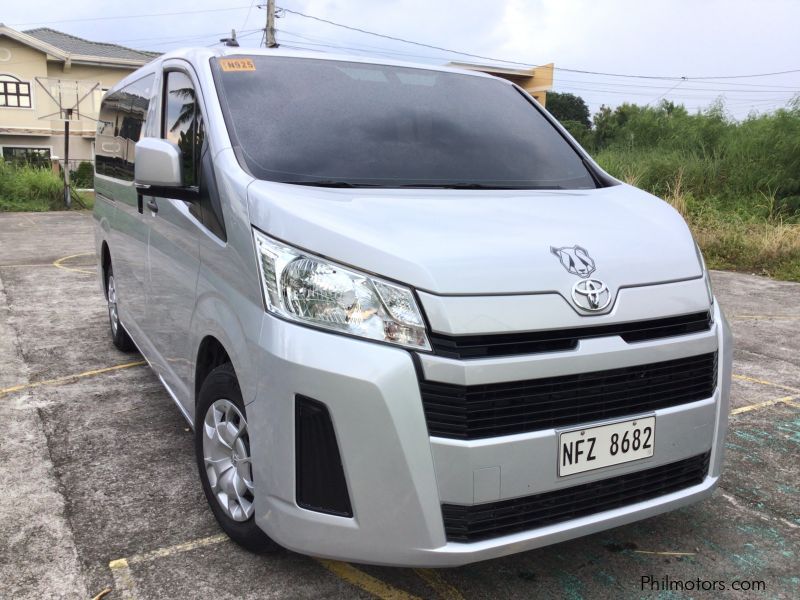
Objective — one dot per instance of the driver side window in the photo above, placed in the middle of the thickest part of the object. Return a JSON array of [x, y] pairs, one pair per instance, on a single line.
[[183, 123]]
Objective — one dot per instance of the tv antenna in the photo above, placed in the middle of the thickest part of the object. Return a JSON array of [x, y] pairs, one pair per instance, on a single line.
[[70, 101]]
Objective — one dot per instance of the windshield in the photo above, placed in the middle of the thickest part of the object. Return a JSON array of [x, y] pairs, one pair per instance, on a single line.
[[333, 123]]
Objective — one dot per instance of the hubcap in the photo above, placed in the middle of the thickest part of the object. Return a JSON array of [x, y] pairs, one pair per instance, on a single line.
[[226, 453], [113, 316]]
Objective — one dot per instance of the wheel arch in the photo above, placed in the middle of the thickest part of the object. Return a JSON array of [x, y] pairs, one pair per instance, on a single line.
[[105, 263], [210, 354]]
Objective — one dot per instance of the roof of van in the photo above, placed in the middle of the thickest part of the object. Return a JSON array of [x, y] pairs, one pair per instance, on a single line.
[[203, 54]]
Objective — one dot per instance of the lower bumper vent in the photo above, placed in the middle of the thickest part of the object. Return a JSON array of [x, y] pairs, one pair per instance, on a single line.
[[321, 485], [482, 521]]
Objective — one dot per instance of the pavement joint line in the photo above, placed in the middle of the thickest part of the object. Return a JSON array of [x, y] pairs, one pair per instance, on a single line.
[[121, 567], [765, 382], [58, 261], [767, 317], [368, 583], [664, 553], [28, 266], [438, 584], [30, 223], [121, 563], [757, 405], [764, 515], [123, 579], [69, 378]]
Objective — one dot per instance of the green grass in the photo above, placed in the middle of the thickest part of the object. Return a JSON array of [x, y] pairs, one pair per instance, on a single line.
[[737, 183], [27, 188], [754, 234]]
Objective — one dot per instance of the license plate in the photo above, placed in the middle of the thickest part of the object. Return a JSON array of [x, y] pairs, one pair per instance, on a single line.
[[596, 447]]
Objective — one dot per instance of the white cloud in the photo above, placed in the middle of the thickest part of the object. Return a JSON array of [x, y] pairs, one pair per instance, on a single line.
[[661, 37]]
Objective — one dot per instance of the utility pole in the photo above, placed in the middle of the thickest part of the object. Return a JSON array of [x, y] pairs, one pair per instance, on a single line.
[[67, 193], [270, 30]]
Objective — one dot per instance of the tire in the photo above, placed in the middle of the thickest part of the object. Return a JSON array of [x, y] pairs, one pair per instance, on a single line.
[[119, 336], [226, 478]]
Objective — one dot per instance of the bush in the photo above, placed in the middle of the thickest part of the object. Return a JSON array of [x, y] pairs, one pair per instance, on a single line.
[[24, 187], [716, 155], [83, 176]]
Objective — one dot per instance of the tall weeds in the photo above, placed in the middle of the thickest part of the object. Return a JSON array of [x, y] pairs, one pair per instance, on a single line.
[[24, 187], [737, 183]]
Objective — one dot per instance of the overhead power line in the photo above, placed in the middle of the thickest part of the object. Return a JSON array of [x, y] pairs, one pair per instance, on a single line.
[[680, 78], [247, 16], [139, 16], [398, 39], [371, 49]]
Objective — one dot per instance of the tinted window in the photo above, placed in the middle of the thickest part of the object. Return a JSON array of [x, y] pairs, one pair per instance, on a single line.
[[183, 123], [307, 120], [122, 118], [39, 157]]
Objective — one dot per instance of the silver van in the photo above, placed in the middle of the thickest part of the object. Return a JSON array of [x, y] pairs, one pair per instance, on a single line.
[[409, 319]]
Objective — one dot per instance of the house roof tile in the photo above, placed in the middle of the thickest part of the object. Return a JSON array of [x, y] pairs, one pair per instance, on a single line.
[[75, 45]]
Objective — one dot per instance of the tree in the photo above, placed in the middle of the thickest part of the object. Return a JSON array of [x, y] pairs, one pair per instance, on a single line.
[[568, 107]]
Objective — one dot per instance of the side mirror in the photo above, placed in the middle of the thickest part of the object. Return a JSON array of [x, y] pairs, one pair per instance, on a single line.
[[158, 163]]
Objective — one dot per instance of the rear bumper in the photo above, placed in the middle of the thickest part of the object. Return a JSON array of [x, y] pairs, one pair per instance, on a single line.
[[398, 477]]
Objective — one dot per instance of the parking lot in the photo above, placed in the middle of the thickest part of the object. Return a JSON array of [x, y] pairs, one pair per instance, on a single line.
[[99, 489]]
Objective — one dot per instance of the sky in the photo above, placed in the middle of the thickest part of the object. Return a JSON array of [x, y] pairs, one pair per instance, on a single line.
[[702, 40]]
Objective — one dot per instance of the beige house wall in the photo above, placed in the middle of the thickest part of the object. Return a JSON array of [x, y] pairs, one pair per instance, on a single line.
[[24, 63], [535, 80], [21, 127], [80, 148]]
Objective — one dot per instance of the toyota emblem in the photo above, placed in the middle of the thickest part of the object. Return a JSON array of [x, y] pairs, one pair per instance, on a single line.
[[591, 294]]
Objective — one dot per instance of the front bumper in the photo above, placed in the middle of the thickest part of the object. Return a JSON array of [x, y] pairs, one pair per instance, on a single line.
[[398, 477]]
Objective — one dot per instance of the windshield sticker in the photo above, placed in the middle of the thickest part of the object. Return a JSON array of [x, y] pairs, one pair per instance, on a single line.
[[237, 64]]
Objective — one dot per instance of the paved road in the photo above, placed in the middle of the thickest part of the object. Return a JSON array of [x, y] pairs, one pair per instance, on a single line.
[[98, 486]]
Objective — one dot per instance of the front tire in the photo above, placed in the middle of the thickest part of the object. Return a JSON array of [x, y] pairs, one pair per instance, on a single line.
[[222, 449]]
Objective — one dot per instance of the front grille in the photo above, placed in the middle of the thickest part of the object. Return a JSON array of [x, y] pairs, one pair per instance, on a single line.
[[508, 344], [482, 411], [482, 521]]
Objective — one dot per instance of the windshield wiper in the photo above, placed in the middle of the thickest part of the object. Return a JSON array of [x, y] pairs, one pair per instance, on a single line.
[[481, 186], [335, 183], [331, 183]]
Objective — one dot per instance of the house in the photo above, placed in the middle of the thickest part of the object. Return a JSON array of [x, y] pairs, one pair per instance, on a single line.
[[535, 80], [36, 65]]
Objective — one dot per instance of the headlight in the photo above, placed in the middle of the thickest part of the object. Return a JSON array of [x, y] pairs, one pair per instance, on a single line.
[[311, 290], [706, 276]]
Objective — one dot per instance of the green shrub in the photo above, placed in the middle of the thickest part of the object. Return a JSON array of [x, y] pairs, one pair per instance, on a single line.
[[83, 176], [24, 187], [716, 155]]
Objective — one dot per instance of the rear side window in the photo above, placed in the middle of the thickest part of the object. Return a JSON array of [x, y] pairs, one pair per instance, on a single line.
[[120, 124], [326, 122]]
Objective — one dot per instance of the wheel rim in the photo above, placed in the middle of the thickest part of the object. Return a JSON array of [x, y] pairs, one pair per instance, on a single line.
[[113, 315], [226, 454]]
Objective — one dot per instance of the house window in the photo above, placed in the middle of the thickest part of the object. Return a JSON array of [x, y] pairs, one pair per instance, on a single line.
[[39, 157], [14, 92]]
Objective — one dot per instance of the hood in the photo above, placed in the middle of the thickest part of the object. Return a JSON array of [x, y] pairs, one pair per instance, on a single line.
[[484, 241]]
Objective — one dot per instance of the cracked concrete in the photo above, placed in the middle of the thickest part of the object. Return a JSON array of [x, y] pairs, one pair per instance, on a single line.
[[38, 557], [101, 468]]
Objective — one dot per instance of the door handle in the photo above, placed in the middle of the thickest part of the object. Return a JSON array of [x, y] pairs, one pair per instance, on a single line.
[[151, 204]]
